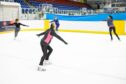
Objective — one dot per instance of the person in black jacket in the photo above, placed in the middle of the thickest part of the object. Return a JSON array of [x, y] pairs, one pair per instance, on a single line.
[[17, 29], [45, 41]]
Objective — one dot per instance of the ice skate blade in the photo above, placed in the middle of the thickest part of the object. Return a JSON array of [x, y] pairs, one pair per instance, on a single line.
[[48, 63], [41, 69]]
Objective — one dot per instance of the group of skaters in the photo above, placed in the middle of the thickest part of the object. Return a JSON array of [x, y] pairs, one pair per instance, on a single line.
[[50, 33]]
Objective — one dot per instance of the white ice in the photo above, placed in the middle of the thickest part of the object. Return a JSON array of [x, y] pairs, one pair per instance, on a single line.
[[87, 59]]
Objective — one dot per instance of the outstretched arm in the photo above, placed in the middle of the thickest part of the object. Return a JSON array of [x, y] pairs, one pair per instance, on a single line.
[[42, 33], [24, 25], [11, 24], [58, 37]]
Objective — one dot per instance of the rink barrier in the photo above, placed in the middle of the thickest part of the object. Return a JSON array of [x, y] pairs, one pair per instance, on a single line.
[[46, 24], [119, 24], [4, 26], [75, 26]]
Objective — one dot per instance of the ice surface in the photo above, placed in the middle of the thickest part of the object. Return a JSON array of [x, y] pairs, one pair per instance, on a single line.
[[87, 59]]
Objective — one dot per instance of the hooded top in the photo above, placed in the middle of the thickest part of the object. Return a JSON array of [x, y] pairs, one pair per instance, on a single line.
[[48, 36]]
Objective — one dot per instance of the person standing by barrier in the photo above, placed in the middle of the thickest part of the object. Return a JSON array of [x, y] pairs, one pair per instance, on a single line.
[[111, 27], [17, 29], [46, 48]]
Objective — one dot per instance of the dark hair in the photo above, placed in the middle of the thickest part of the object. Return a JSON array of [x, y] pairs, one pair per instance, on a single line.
[[110, 16], [16, 20], [52, 26]]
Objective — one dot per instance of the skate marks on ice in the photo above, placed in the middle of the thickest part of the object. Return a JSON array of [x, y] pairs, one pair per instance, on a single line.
[[79, 70]]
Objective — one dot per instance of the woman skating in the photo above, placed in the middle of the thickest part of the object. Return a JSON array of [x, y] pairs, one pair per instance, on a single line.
[[111, 27], [46, 48], [17, 29]]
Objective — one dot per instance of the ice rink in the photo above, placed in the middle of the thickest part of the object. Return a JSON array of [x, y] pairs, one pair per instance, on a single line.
[[87, 59]]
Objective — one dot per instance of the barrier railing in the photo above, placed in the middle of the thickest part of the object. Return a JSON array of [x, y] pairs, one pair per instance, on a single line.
[[39, 13], [7, 0]]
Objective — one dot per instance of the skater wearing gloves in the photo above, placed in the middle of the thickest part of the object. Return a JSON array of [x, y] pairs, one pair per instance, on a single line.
[[17, 29], [46, 48], [111, 27]]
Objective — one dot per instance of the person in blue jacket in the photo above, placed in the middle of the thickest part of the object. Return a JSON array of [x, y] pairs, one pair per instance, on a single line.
[[56, 22], [111, 27]]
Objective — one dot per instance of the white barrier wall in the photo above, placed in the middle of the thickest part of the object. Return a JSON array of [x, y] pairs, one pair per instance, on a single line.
[[84, 25], [70, 25], [76, 26]]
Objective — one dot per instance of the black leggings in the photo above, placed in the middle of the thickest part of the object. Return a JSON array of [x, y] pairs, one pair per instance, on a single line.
[[47, 50], [16, 32], [114, 30]]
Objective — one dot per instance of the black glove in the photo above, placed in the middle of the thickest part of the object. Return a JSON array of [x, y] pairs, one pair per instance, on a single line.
[[37, 35], [66, 43]]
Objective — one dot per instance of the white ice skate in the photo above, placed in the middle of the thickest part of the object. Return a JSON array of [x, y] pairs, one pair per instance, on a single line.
[[41, 68], [46, 62]]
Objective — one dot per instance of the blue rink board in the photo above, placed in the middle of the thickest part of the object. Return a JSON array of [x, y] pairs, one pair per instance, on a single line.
[[97, 17]]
